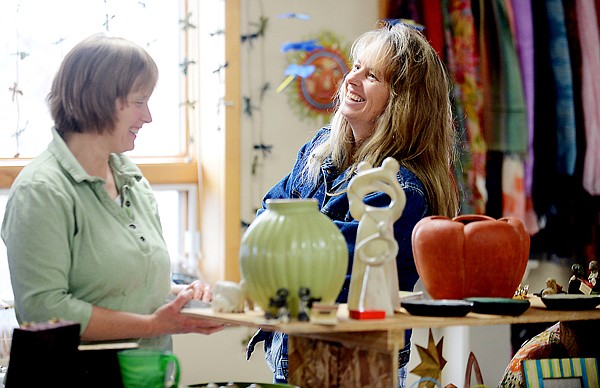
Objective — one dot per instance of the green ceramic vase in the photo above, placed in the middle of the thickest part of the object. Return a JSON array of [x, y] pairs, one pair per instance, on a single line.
[[292, 245]]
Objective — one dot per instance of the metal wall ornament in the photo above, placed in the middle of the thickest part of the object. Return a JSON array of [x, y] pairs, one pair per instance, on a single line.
[[312, 97]]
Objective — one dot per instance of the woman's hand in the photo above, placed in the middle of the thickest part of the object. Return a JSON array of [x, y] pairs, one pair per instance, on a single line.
[[201, 291], [170, 319]]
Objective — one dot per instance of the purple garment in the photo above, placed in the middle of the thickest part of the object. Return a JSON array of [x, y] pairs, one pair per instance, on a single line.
[[523, 23]]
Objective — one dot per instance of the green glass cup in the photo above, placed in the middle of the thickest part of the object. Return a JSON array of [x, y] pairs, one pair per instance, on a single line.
[[143, 368]]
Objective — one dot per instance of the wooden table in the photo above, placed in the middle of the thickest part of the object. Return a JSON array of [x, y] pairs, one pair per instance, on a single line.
[[364, 353]]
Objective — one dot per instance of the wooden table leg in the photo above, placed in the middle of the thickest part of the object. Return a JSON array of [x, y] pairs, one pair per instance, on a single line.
[[350, 360]]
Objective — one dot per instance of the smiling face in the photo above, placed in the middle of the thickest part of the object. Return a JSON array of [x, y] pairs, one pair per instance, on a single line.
[[366, 96], [131, 114]]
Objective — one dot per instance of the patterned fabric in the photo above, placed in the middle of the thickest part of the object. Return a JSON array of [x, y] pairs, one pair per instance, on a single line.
[[557, 341], [541, 346], [463, 64]]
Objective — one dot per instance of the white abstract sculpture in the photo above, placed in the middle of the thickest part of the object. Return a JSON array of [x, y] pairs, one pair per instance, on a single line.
[[374, 282]]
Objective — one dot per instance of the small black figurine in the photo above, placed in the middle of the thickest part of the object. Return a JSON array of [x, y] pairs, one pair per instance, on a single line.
[[304, 294], [593, 276], [281, 304], [575, 280]]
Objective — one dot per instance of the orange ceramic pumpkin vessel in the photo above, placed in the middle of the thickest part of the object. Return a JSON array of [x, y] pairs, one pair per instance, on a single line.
[[470, 255]]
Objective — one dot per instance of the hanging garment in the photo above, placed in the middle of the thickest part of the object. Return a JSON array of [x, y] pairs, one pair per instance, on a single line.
[[523, 28], [563, 81], [513, 187], [464, 70], [432, 21], [544, 141], [524, 42], [505, 124], [590, 90]]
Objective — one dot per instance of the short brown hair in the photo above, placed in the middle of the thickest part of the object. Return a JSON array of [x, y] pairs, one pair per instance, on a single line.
[[93, 75]]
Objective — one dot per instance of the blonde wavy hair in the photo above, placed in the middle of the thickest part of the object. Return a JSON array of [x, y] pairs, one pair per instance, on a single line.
[[416, 127]]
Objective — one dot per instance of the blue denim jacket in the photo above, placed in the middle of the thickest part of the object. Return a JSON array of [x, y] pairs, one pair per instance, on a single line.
[[336, 207]]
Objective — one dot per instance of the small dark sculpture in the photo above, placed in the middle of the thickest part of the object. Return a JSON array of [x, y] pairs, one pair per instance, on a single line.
[[281, 304], [593, 276], [304, 306], [552, 287], [575, 280]]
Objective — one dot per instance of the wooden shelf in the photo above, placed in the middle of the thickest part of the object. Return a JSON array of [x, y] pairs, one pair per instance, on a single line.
[[336, 355], [401, 320]]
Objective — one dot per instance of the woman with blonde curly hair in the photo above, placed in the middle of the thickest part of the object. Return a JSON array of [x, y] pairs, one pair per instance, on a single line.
[[394, 102]]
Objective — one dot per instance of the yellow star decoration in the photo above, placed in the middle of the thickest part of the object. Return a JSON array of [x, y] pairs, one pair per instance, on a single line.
[[432, 363]]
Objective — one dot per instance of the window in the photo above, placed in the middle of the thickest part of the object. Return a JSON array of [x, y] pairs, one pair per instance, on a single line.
[[177, 205], [35, 36]]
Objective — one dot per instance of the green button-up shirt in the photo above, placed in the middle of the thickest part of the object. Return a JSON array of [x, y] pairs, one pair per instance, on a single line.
[[71, 246]]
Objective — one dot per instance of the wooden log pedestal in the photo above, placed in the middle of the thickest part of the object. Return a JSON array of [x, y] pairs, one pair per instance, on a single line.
[[357, 359], [365, 352]]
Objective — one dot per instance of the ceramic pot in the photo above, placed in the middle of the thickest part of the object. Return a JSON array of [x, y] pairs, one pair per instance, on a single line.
[[292, 245], [470, 255]]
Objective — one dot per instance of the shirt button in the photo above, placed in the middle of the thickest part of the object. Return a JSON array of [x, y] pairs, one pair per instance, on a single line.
[[142, 239], [127, 203], [132, 226]]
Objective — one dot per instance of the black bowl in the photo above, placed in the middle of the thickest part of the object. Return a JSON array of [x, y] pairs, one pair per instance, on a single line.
[[571, 301], [438, 307], [499, 306]]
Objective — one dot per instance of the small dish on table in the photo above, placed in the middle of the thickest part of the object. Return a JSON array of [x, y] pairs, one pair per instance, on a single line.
[[499, 306], [570, 301], [438, 307]]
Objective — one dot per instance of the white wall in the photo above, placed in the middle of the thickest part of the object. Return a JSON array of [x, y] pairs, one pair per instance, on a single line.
[[220, 357]]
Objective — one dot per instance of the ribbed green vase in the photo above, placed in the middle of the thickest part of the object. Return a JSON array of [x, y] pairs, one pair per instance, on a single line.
[[292, 245]]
